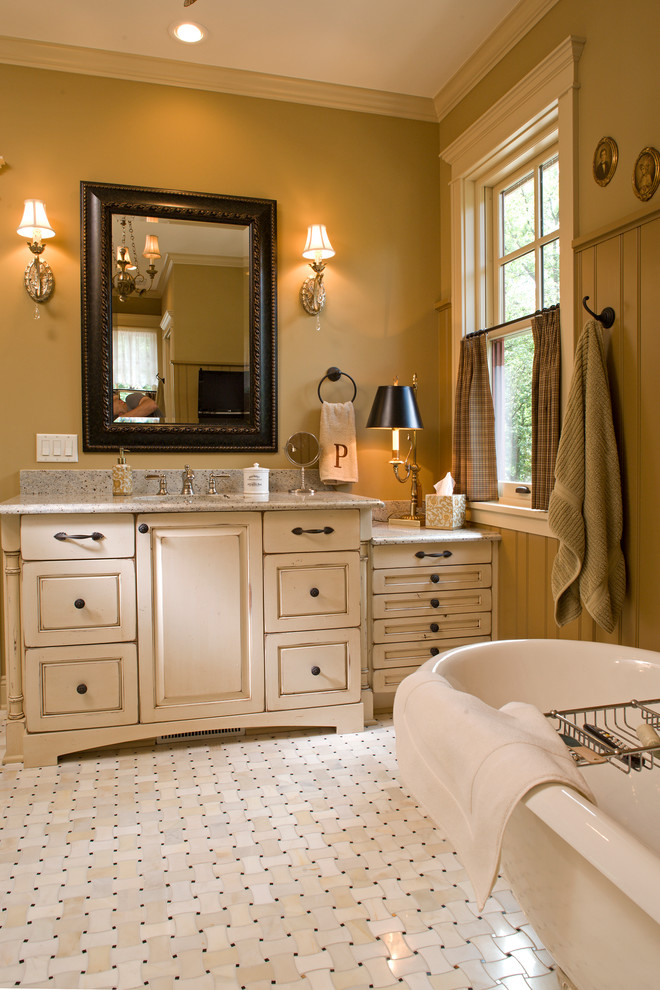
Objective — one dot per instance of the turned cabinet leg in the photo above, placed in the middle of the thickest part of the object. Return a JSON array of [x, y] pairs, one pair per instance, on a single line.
[[12, 613], [367, 694]]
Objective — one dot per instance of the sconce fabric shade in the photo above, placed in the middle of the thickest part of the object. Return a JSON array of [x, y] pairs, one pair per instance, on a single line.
[[35, 219], [395, 408], [318, 246], [151, 247], [124, 255]]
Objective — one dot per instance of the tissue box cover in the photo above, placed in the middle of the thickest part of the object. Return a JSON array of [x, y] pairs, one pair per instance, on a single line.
[[445, 511]]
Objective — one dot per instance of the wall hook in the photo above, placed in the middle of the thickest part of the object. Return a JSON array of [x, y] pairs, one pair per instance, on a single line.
[[607, 317]]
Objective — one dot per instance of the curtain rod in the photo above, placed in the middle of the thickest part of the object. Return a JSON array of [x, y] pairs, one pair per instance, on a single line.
[[509, 323]]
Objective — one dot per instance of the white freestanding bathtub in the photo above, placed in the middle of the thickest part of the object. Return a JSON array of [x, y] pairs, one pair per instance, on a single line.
[[586, 876]]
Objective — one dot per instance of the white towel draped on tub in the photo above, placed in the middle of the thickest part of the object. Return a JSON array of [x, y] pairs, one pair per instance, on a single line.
[[338, 458], [468, 765], [585, 511]]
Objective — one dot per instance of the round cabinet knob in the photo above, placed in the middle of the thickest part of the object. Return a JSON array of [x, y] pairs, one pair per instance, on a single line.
[[434, 651], [316, 671], [435, 627], [82, 689], [143, 528], [79, 603], [314, 592], [435, 578], [435, 602]]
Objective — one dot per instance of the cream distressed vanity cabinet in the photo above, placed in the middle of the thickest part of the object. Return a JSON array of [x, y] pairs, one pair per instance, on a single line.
[[431, 590], [130, 625]]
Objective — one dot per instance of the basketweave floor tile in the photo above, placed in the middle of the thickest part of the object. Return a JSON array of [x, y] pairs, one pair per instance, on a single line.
[[277, 859]]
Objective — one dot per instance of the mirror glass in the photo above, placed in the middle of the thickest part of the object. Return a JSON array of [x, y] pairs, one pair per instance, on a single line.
[[302, 449], [179, 310]]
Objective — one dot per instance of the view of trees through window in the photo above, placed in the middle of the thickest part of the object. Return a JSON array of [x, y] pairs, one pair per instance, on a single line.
[[527, 278]]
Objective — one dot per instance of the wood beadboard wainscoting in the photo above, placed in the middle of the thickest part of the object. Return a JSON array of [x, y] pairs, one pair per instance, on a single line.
[[618, 267], [525, 606]]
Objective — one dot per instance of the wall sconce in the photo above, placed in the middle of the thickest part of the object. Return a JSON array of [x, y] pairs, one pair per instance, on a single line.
[[395, 408], [151, 251], [39, 279], [318, 250]]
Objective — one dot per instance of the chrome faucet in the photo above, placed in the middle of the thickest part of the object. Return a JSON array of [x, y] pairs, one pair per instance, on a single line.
[[188, 478]]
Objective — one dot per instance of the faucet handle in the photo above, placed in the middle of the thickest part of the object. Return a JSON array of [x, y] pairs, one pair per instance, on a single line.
[[163, 482], [212, 489]]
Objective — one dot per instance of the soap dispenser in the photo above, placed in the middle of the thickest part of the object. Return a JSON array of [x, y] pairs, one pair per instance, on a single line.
[[122, 475]]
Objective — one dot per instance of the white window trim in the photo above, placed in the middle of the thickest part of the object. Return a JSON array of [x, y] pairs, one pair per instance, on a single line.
[[543, 105]]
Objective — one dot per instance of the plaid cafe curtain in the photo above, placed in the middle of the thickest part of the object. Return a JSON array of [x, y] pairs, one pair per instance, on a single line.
[[474, 464], [545, 404]]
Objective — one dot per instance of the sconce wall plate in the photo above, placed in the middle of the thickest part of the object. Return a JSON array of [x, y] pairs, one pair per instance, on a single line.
[[39, 280], [312, 295]]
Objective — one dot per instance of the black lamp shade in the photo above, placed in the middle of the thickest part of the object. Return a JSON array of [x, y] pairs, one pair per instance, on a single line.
[[395, 408]]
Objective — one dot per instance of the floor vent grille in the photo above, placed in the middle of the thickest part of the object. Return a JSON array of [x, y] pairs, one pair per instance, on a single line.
[[197, 736]]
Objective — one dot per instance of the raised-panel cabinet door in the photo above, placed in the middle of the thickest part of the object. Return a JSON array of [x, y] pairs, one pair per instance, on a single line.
[[200, 615]]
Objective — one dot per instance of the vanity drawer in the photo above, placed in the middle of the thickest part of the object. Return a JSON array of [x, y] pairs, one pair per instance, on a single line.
[[432, 578], [393, 655], [71, 602], [77, 536], [431, 555], [80, 687], [311, 669], [432, 604], [301, 530], [311, 590], [432, 629]]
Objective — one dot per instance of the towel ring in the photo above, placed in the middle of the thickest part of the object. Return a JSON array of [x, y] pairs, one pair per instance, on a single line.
[[334, 374]]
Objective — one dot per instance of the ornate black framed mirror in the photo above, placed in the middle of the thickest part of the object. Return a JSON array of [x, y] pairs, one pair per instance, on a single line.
[[179, 339]]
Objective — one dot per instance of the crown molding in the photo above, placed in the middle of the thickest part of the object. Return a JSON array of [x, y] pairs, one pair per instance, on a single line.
[[505, 36], [541, 87], [171, 72]]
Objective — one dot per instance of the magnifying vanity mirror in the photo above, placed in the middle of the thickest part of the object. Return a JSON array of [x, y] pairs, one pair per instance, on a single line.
[[302, 449], [179, 310]]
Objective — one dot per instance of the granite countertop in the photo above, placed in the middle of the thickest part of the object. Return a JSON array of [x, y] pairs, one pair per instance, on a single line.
[[35, 504], [91, 492], [385, 532]]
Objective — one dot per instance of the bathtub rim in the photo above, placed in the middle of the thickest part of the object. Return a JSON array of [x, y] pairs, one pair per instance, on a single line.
[[594, 834], [598, 839]]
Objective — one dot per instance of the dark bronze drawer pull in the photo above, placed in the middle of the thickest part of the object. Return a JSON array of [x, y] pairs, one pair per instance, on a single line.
[[434, 651], [298, 530], [435, 627], [143, 528], [435, 602], [79, 536], [434, 578], [79, 603], [316, 671], [314, 592], [82, 689], [422, 553]]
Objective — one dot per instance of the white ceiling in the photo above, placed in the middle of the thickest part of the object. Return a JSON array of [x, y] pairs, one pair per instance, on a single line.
[[393, 46]]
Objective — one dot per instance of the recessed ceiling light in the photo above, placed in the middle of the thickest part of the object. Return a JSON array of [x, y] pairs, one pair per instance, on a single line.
[[188, 31]]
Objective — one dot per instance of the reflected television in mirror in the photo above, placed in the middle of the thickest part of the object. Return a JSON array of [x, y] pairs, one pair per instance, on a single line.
[[179, 320]]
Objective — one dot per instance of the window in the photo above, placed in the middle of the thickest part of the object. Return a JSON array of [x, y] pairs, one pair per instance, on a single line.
[[538, 112], [525, 277], [135, 359]]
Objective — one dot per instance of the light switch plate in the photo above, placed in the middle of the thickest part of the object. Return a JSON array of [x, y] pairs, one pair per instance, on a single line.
[[57, 446]]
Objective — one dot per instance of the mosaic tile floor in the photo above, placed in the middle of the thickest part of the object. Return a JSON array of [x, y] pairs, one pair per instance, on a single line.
[[294, 861]]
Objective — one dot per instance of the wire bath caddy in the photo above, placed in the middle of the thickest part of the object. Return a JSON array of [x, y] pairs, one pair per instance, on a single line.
[[608, 734]]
